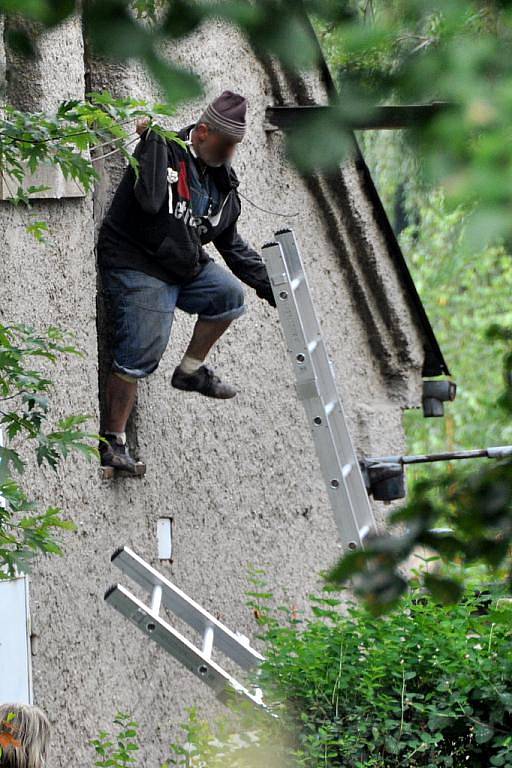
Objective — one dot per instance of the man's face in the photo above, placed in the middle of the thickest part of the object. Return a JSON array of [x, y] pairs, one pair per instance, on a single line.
[[213, 147]]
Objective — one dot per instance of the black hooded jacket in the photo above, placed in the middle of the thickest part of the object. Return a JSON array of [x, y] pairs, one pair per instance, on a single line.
[[150, 226]]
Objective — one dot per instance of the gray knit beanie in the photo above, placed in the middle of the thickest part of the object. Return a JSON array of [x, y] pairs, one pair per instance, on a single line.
[[226, 113]]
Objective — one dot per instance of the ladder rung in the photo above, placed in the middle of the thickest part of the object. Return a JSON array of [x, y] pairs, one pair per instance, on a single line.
[[363, 533], [208, 642], [156, 599], [176, 601]]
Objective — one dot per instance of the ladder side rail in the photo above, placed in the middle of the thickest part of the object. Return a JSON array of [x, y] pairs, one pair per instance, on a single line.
[[355, 480], [176, 601], [309, 391], [295, 268], [297, 275], [346, 515], [294, 335], [320, 362], [345, 449]]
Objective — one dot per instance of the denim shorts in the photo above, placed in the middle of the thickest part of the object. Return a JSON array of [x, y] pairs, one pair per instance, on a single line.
[[141, 308]]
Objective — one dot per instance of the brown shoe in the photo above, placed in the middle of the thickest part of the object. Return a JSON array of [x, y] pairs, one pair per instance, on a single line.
[[116, 454], [203, 381]]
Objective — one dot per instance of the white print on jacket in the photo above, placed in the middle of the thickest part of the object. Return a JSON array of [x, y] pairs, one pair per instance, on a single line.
[[172, 177], [182, 211]]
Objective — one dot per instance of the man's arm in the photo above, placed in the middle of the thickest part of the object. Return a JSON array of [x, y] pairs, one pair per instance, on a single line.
[[151, 186], [244, 262]]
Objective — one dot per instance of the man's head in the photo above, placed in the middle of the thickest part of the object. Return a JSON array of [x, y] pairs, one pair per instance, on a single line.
[[220, 128]]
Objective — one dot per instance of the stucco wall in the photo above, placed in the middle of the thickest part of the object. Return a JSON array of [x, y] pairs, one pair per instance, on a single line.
[[240, 477]]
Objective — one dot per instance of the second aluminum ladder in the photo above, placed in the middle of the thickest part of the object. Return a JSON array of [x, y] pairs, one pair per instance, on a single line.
[[316, 387]]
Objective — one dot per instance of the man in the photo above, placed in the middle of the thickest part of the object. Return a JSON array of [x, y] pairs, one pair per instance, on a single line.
[[151, 260]]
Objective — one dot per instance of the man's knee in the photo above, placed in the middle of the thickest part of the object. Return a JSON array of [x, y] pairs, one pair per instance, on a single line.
[[125, 377], [136, 368], [227, 303], [237, 294]]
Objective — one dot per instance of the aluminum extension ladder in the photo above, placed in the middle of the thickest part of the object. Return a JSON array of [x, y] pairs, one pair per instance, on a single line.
[[215, 636], [316, 387]]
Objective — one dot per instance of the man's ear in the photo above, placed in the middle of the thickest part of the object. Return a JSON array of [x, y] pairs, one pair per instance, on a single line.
[[201, 131]]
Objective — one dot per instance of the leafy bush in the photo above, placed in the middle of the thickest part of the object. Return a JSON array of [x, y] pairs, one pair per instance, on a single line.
[[427, 685]]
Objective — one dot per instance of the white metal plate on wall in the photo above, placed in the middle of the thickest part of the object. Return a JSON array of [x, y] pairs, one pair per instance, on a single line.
[[2, 445], [15, 658], [15, 653], [164, 538]]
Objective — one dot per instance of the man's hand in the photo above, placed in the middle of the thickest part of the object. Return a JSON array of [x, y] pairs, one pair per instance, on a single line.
[[142, 124], [265, 292]]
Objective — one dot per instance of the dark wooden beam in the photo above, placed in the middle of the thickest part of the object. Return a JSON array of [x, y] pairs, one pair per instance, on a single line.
[[382, 118]]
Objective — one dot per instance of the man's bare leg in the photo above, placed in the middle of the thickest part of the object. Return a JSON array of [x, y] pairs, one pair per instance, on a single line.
[[206, 333], [121, 392], [190, 374], [121, 395]]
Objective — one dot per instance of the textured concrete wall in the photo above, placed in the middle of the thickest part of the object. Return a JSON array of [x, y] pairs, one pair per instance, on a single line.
[[240, 478]]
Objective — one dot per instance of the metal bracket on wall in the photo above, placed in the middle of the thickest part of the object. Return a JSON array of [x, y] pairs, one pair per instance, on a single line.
[[435, 393], [385, 476], [215, 636]]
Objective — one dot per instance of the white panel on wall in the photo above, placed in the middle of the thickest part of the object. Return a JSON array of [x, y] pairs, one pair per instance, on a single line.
[[2, 444], [164, 538], [15, 661], [15, 654]]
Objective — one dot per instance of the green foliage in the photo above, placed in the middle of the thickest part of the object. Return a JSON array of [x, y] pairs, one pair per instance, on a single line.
[[206, 745], [427, 685], [24, 417], [475, 505], [65, 139], [226, 742], [463, 293], [420, 687], [405, 51], [117, 750], [418, 51]]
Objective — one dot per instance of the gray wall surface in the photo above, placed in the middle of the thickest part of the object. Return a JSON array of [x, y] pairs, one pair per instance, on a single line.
[[240, 478]]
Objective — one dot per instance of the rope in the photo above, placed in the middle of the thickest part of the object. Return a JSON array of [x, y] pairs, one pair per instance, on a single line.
[[265, 210]]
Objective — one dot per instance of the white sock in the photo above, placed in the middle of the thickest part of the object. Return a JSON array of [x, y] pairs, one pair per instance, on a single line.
[[120, 437], [190, 364]]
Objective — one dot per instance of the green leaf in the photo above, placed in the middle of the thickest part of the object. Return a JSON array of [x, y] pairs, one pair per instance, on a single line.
[[444, 589]]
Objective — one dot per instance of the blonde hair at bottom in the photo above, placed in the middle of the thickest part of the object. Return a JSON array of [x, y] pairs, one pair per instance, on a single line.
[[26, 735]]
